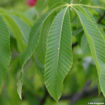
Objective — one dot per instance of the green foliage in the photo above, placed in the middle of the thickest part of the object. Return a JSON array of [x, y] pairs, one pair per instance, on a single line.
[[96, 42], [5, 53], [16, 31], [38, 42], [58, 58]]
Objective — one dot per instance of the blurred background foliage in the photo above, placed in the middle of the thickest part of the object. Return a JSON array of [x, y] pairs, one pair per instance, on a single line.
[[83, 69]]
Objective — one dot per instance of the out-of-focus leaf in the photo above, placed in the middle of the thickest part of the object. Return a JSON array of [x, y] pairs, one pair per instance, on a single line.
[[85, 46], [16, 31], [33, 39], [25, 28], [23, 17], [5, 54]]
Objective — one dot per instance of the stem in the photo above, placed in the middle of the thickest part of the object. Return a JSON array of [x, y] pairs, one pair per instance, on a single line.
[[101, 18], [43, 100], [88, 6]]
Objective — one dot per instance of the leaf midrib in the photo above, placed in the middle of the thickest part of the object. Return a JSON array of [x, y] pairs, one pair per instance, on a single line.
[[60, 39]]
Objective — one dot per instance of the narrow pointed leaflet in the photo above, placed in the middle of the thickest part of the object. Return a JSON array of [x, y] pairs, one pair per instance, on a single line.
[[5, 54], [58, 59], [96, 42]]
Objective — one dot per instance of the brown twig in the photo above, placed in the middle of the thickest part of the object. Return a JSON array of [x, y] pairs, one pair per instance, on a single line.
[[101, 18], [78, 96], [89, 93], [43, 100], [74, 44], [86, 92]]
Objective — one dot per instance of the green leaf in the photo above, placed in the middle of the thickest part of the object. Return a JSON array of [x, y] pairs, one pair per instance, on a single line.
[[5, 54], [85, 46], [31, 14], [34, 37], [25, 56], [53, 2], [41, 5], [2, 11], [58, 59], [16, 31], [96, 42], [25, 28], [41, 48], [33, 40], [23, 17], [20, 84]]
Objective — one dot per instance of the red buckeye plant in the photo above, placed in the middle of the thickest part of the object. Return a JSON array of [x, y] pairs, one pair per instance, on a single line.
[[31, 3]]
